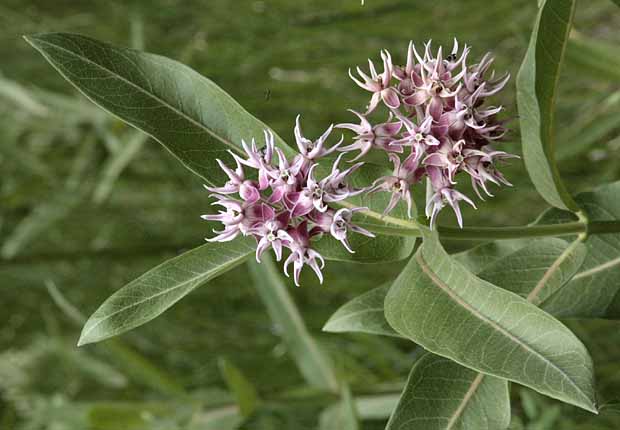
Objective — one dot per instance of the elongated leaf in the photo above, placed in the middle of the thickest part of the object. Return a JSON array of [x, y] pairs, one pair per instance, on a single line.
[[312, 362], [533, 269], [184, 111], [362, 314], [594, 292], [536, 93], [243, 390], [158, 289], [443, 395], [439, 304], [341, 416], [537, 270]]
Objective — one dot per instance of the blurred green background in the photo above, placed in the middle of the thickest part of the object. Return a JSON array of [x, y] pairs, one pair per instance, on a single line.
[[87, 204]]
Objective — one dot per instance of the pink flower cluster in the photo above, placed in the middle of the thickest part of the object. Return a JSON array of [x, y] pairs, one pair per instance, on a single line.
[[438, 126], [286, 206]]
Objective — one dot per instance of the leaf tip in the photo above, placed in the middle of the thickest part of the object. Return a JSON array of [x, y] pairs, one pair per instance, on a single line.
[[31, 39], [329, 326], [83, 340], [87, 336]]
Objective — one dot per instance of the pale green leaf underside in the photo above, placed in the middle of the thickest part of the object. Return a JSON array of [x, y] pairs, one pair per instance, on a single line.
[[443, 395], [439, 304], [536, 93], [363, 314], [594, 292], [311, 360], [538, 270], [187, 113], [161, 287]]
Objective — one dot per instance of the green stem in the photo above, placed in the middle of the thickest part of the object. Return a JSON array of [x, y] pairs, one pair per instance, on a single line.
[[516, 232], [540, 230]]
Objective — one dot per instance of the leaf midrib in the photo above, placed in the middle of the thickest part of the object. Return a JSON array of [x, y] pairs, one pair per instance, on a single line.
[[597, 269], [533, 295], [459, 301], [475, 384]]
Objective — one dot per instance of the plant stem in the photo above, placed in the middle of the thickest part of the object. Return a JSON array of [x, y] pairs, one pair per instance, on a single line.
[[540, 230], [514, 232]]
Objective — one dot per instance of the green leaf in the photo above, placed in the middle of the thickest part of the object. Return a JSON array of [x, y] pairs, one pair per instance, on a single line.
[[439, 304], [594, 292], [478, 258], [161, 287], [443, 395], [537, 83], [341, 416], [244, 392], [537, 270], [362, 314], [187, 113], [311, 360], [378, 249]]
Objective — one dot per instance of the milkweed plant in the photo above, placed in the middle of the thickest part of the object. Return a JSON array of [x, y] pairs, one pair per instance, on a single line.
[[483, 318]]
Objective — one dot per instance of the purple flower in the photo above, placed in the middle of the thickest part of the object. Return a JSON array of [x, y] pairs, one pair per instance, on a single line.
[[259, 159], [381, 136], [443, 116], [277, 209], [337, 182], [480, 165], [439, 192], [302, 254], [317, 194], [449, 156], [338, 224], [433, 82], [379, 84], [418, 137], [237, 217], [283, 178], [312, 150], [405, 174], [272, 234], [236, 184]]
